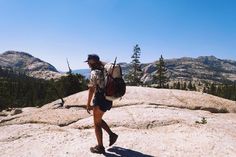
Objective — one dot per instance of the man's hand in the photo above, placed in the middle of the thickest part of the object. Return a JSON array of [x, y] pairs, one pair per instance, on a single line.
[[89, 107]]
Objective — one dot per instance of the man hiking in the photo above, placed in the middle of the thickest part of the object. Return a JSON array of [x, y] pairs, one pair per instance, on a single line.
[[100, 104]]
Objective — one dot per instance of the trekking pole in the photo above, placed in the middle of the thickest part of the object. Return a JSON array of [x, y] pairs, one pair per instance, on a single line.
[[113, 66]]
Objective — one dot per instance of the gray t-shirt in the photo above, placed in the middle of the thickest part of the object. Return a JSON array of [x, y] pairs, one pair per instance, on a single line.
[[97, 79]]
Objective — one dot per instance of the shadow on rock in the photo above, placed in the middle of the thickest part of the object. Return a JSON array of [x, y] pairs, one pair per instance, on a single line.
[[118, 151]]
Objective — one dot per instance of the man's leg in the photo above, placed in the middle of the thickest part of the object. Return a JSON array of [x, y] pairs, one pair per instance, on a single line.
[[112, 136], [106, 127], [99, 124], [97, 116]]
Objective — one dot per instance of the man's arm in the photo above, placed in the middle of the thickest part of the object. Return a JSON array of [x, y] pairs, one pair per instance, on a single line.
[[90, 96]]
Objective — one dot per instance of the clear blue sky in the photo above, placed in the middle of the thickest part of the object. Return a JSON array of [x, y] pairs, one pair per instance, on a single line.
[[54, 30]]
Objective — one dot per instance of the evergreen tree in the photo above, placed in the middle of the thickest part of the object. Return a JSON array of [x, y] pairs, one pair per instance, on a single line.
[[135, 74], [213, 89], [226, 91], [194, 87], [178, 85], [199, 84], [219, 91], [184, 86], [167, 86], [234, 91], [160, 78], [190, 86], [174, 86]]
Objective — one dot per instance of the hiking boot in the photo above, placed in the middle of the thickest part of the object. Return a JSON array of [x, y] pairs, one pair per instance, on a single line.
[[113, 138], [98, 149]]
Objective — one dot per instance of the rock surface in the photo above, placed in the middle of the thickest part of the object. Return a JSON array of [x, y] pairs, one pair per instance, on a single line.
[[172, 98], [149, 122]]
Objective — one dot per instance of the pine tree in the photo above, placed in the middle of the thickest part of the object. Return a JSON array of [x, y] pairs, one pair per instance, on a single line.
[[160, 78], [219, 91], [194, 87], [135, 74], [184, 86], [213, 89], [190, 86], [234, 91], [174, 85], [178, 85], [167, 86], [204, 90]]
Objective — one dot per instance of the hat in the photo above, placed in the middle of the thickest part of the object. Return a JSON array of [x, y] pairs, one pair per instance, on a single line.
[[93, 57]]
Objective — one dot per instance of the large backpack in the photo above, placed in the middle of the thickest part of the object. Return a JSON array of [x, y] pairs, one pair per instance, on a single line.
[[115, 86]]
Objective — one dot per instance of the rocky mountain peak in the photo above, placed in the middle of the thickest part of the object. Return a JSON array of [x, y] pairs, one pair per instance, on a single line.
[[12, 52], [203, 68], [211, 57], [28, 63]]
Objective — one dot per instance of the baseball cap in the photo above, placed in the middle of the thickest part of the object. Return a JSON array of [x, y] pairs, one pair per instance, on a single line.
[[93, 57]]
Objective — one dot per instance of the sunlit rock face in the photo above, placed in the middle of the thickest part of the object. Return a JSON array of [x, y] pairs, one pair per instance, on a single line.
[[149, 122]]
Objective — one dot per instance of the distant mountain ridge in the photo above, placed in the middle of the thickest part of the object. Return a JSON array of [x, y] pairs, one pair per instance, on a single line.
[[29, 64], [203, 68], [206, 68]]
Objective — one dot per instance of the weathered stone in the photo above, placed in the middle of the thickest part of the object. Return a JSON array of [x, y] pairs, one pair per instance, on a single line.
[[149, 122], [15, 111]]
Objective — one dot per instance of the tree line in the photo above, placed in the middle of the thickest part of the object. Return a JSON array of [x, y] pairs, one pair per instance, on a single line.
[[20, 90]]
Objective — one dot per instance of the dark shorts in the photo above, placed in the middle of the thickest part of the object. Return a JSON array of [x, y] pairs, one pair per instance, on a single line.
[[100, 100]]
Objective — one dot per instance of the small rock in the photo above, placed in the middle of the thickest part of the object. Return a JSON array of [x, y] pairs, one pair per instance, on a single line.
[[15, 111], [4, 114]]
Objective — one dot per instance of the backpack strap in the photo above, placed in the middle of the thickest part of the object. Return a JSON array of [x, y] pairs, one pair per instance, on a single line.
[[101, 90]]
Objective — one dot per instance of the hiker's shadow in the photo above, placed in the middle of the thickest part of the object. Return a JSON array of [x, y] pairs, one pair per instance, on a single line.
[[118, 152]]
